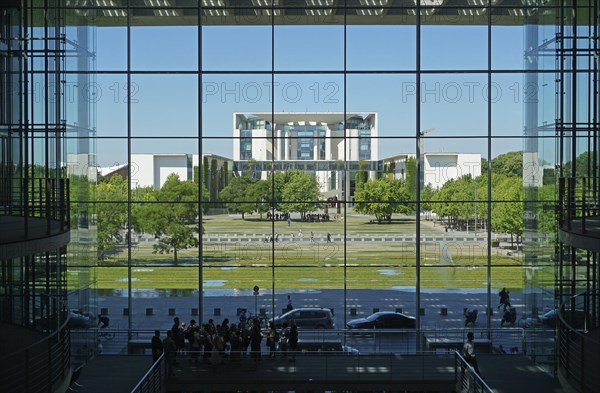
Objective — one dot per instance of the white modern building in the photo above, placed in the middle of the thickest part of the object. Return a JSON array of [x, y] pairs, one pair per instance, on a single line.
[[438, 168], [327, 144], [333, 146], [154, 169]]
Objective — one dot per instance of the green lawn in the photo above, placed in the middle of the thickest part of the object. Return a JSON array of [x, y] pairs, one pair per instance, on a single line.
[[313, 265]]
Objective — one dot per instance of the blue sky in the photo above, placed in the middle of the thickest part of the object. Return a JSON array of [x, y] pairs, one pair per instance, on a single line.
[[166, 105]]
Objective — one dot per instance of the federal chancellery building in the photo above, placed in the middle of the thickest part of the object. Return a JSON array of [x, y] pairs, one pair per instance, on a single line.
[[332, 146], [216, 89]]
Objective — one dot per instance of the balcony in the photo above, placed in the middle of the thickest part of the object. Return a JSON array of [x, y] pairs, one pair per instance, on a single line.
[[579, 213], [38, 226]]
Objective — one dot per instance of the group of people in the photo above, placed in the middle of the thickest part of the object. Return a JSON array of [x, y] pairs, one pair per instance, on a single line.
[[213, 343]]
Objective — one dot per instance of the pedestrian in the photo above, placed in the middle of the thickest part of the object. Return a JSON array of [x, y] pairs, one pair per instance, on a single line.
[[289, 303], [469, 352], [328, 237], [170, 349], [504, 298], [157, 346], [293, 339], [312, 236], [255, 339], [272, 340], [196, 344]]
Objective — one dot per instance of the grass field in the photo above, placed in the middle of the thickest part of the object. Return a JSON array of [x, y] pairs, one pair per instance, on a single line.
[[303, 264]]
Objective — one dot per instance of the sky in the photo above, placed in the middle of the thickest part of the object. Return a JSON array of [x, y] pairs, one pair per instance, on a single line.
[[166, 105]]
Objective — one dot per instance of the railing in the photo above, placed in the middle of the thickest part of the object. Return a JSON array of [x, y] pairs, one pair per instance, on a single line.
[[467, 380], [43, 199], [578, 344], [578, 199], [39, 367], [535, 343], [155, 380]]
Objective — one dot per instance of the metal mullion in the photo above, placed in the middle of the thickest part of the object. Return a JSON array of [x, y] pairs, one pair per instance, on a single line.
[[272, 155], [345, 134], [129, 194], [418, 175], [46, 117], [200, 172], [489, 174], [574, 92], [25, 122]]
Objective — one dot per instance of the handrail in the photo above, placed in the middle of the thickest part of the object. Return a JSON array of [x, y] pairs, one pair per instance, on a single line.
[[574, 330], [578, 354], [471, 381], [46, 338], [38, 367], [154, 380], [576, 200]]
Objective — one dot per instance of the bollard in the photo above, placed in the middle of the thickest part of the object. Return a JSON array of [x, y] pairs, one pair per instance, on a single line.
[[444, 311], [353, 311]]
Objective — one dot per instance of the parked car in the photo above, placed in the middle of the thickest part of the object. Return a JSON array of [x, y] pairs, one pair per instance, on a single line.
[[384, 320], [307, 318], [77, 319], [326, 346]]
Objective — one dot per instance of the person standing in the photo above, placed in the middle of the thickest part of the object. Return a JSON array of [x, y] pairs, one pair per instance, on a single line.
[[293, 339], [469, 352], [170, 349], [157, 346], [289, 303], [255, 339]]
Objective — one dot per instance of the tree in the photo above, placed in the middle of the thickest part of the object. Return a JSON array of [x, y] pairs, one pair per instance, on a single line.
[[259, 192], [509, 164], [381, 198], [508, 209], [301, 194], [111, 213], [235, 195], [172, 216], [411, 177]]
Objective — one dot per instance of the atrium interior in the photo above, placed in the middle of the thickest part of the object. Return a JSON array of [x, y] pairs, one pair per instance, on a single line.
[[372, 211]]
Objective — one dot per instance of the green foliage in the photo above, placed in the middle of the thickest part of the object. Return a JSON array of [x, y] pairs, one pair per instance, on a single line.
[[172, 215], [301, 194], [411, 177], [508, 209], [381, 198], [236, 195], [111, 213], [508, 164]]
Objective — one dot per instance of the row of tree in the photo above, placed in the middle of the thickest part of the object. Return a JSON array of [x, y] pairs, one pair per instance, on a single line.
[[171, 213]]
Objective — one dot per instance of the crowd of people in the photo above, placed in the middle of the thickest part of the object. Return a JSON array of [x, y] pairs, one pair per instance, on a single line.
[[214, 344]]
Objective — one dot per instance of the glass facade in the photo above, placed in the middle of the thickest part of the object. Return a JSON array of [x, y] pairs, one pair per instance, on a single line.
[[476, 77], [448, 82]]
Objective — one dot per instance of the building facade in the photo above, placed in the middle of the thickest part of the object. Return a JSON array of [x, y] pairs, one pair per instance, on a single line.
[[81, 80]]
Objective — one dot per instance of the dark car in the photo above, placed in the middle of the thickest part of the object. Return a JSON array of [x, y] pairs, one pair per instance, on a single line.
[[307, 318], [384, 320], [77, 319], [326, 346]]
